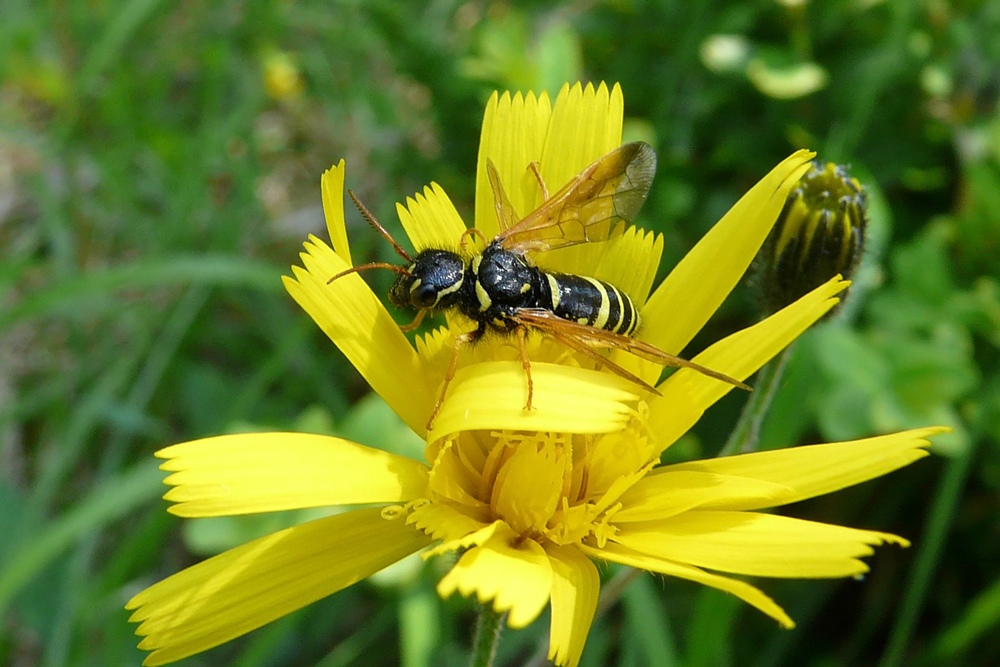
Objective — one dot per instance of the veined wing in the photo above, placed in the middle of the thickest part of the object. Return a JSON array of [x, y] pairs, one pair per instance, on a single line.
[[598, 204], [506, 215], [579, 336]]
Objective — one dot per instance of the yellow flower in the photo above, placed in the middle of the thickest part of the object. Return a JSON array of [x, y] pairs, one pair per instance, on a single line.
[[282, 79], [532, 498]]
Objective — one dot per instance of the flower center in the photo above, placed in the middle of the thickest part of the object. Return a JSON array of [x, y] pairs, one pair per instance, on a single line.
[[548, 487]]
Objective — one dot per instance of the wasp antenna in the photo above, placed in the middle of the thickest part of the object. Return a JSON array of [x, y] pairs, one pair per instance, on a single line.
[[373, 265], [379, 228]]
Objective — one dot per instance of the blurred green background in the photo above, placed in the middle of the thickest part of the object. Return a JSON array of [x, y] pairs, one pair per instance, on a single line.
[[159, 169]]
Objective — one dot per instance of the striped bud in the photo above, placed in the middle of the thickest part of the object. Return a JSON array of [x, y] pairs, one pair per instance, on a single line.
[[820, 233]]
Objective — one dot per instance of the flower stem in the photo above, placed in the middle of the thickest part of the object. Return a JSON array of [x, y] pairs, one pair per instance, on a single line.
[[488, 626], [745, 435], [614, 589]]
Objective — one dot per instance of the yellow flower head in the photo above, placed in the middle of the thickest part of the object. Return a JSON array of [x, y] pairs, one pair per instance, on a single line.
[[531, 497]]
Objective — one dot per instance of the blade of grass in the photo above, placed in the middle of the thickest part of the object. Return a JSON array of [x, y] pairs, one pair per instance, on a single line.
[[930, 548], [710, 632], [125, 22], [883, 67], [270, 369], [56, 462], [109, 500], [84, 292], [648, 624], [79, 585], [364, 641], [980, 617], [420, 626]]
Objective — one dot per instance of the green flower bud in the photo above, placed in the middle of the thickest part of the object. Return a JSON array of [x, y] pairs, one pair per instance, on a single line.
[[820, 233]]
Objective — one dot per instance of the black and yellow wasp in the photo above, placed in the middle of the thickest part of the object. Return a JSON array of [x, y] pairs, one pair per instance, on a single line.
[[503, 292]]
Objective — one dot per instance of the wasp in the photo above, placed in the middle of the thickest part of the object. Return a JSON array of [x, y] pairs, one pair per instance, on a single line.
[[501, 290]]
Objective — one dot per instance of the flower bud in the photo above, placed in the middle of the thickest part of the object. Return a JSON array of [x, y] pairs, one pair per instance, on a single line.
[[820, 233]]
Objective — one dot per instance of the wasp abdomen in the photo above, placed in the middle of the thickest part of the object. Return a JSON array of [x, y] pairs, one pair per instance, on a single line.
[[592, 302]]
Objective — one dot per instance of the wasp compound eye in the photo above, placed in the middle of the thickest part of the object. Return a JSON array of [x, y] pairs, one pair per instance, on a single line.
[[432, 281], [820, 233], [423, 295]]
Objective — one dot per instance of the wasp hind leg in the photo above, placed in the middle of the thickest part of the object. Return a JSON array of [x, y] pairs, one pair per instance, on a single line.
[[469, 233], [522, 348], [538, 177], [461, 341]]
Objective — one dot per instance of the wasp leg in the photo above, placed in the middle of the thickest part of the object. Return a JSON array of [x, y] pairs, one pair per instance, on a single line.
[[406, 328], [460, 341], [541, 183], [522, 346], [472, 232]]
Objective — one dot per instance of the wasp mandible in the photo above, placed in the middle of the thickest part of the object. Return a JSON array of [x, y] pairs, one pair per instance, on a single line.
[[501, 290]]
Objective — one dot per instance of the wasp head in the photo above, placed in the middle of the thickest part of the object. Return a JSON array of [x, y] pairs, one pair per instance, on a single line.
[[432, 281]]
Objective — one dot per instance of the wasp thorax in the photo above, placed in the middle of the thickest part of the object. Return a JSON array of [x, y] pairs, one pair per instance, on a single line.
[[820, 233], [433, 282]]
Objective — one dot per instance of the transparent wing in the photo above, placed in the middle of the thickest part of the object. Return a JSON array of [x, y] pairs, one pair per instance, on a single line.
[[579, 336], [598, 204], [506, 215]]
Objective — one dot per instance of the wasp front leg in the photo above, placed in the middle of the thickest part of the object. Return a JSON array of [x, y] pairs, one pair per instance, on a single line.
[[406, 328], [461, 340]]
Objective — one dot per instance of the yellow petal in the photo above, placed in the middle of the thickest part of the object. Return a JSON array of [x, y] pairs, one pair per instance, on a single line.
[[491, 395], [476, 538], [267, 472], [444, 523], [686, 394], [696, 287], [453, 481], [249, 586], [514, 573], [512, 136], [357, 322], [431, 221], [751, 595], [586, 125], [332, 187], [756, 544], [575, 588], [812, 470], [660, 495]]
